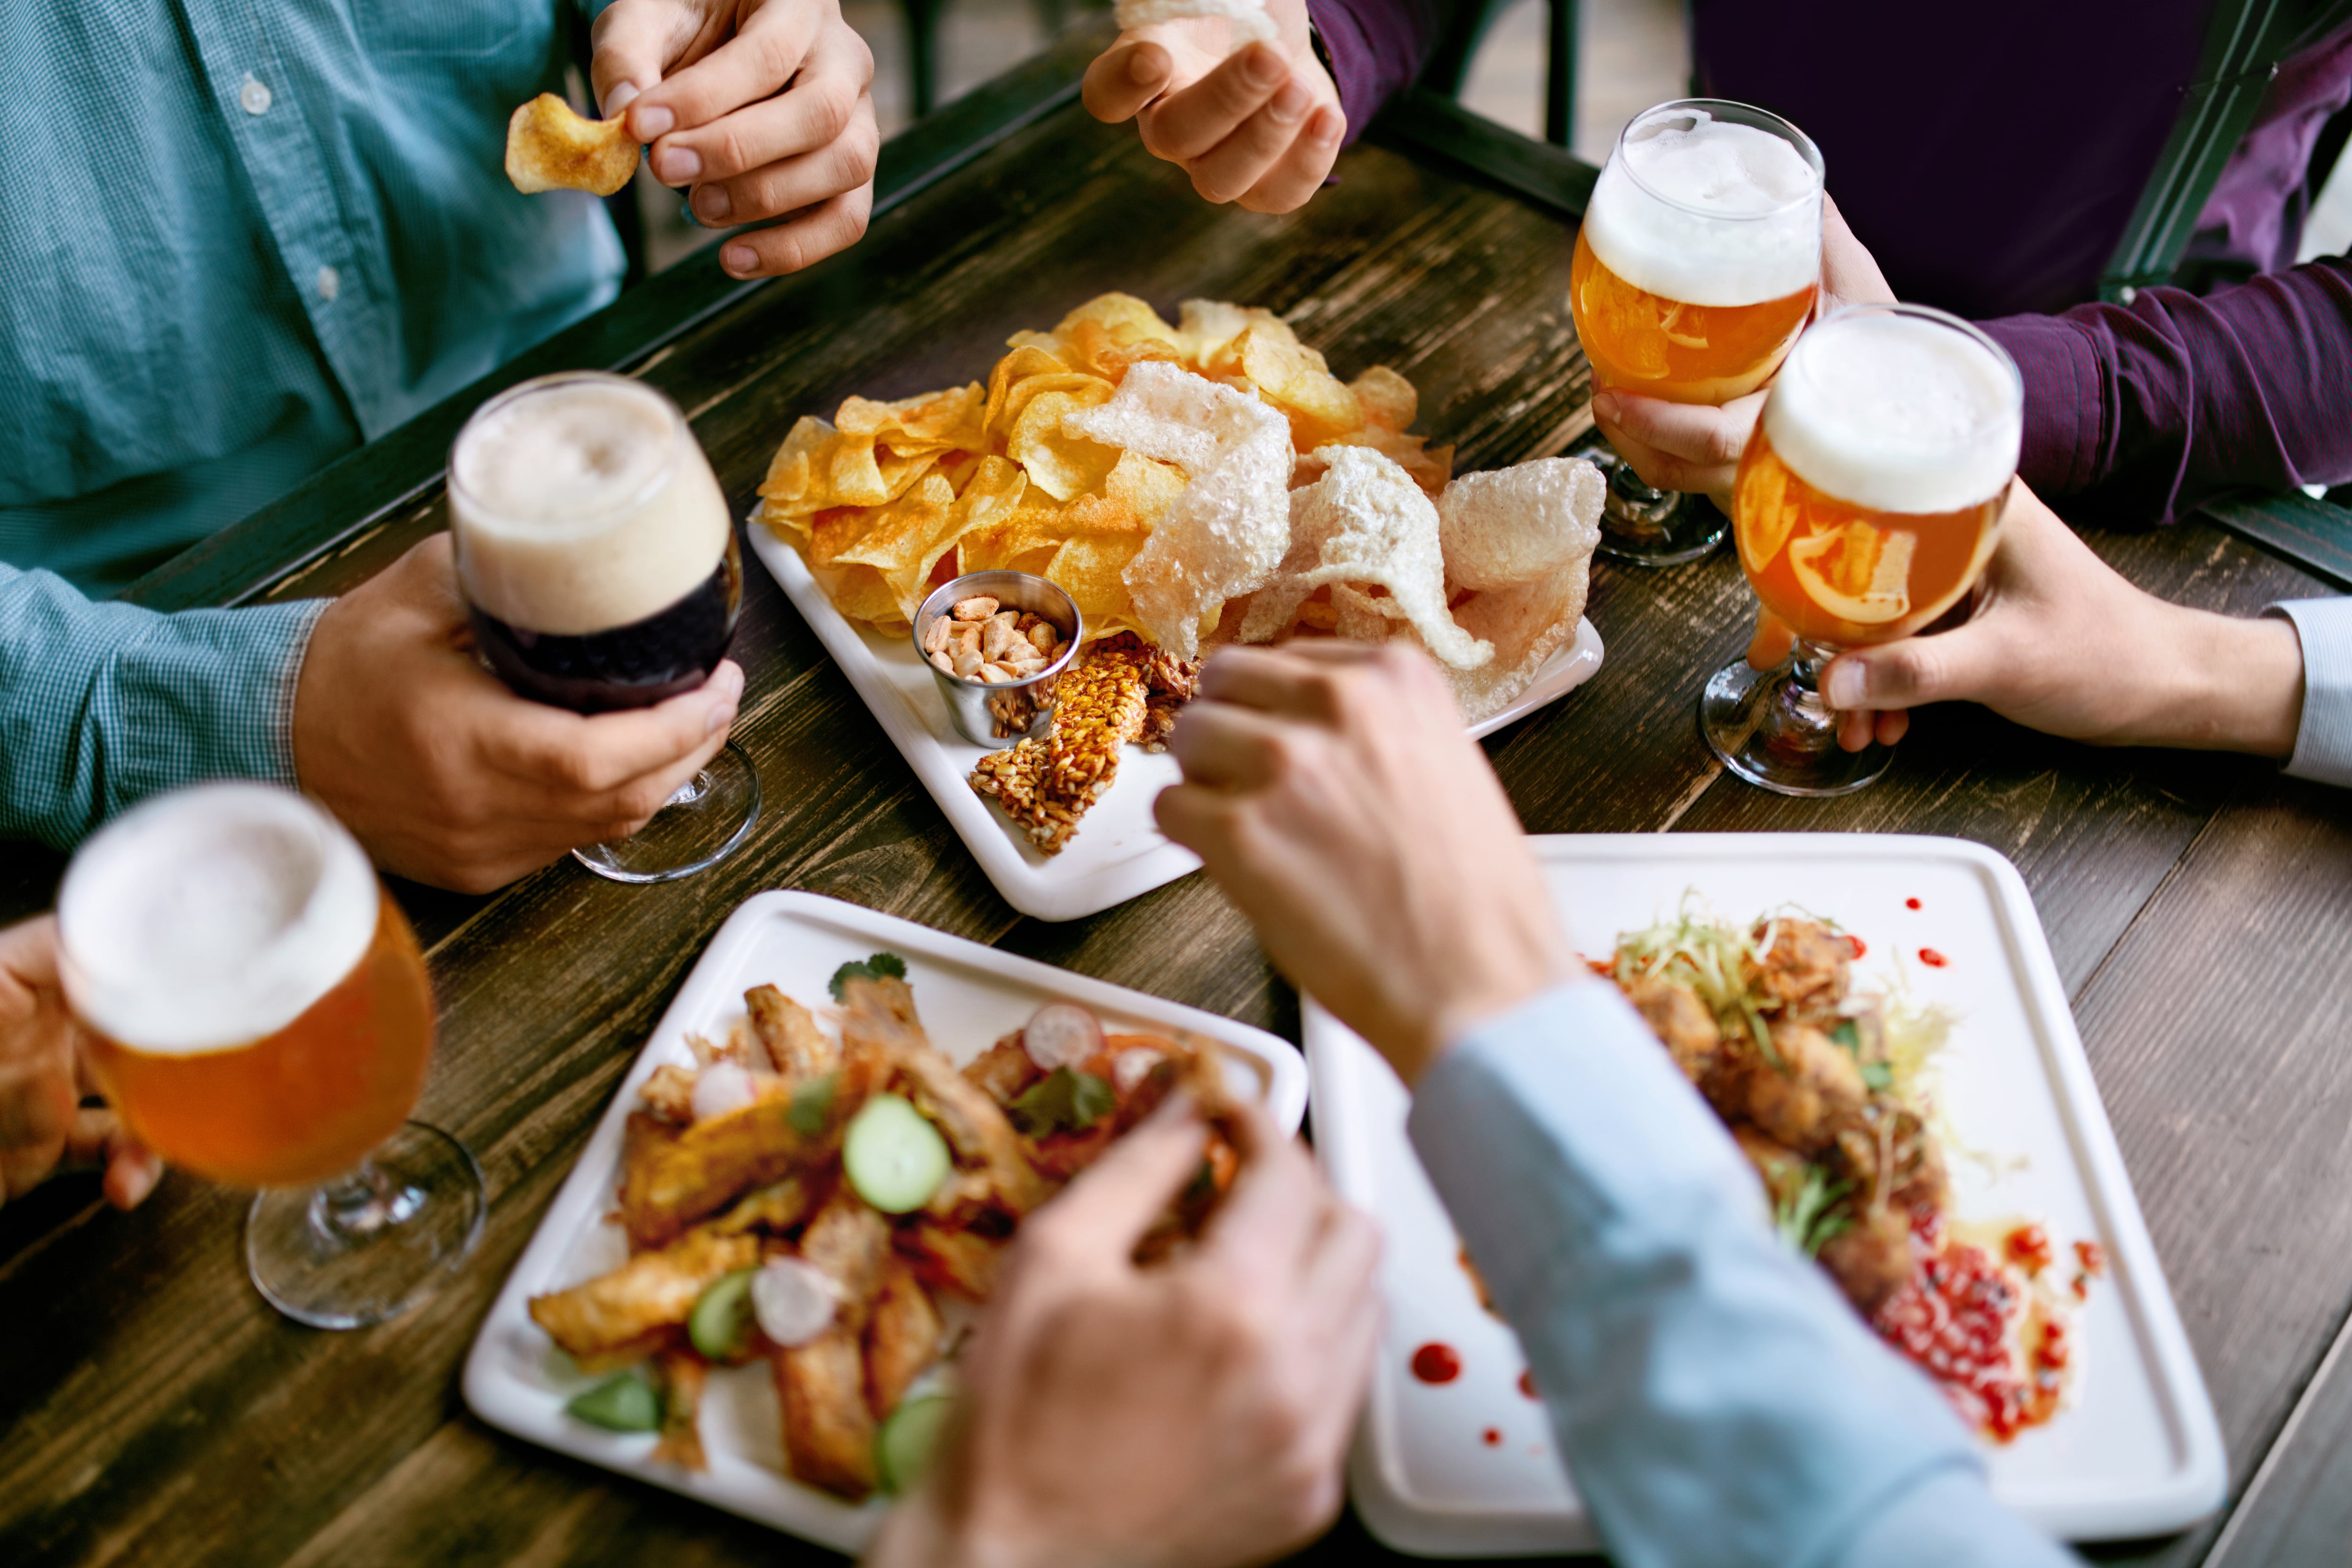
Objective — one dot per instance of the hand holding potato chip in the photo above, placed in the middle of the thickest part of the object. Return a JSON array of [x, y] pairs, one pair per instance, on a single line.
[[550, 148], [759, 108]]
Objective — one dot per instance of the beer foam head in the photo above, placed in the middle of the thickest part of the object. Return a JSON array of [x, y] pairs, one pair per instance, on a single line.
[[212, 916], [1897, 410], [1706, 210], [582, 503]]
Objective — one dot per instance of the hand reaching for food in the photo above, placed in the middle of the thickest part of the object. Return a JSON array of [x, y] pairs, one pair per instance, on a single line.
[[42, 1120], [1696, 447], [2058, 642], [1103, 1401], [1260, 125], [761, 108], [1332, 793]]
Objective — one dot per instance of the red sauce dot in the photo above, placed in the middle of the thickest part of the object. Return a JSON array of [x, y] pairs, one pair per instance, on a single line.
[[1856, 944], [1528, 1383], [2092, 1256], [1436, 1363], [1494, 1437], [1910, 903], [1932, 959], [2029, 1247]]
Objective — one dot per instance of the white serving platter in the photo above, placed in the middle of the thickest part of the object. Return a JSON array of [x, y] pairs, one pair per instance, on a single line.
[[1118, 851], [2140, 1453], [968, 995]]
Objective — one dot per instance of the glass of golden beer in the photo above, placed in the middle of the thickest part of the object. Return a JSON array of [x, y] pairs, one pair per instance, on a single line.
[[1866, 505], [257, 1009], [600, 568], [1696, 267]]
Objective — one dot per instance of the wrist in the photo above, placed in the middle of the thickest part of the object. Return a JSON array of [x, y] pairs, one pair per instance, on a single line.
[[2240, 686], [1499, 989]]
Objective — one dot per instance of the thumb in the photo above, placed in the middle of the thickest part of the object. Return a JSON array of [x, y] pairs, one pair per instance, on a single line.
[[1957, 665], [631, 45]]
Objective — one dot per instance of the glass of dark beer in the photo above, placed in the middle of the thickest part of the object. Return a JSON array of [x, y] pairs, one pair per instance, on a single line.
[[600, 566]]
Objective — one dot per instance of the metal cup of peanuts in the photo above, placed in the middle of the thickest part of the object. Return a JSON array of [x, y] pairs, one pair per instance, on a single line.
[[997, 643]]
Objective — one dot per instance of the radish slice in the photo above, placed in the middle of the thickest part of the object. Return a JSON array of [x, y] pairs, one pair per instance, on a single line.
[[723, 1088], [1061, 1035], [793, 1301]]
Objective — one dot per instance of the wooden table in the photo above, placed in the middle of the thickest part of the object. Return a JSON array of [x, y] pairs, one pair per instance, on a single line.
[[2201, 909]]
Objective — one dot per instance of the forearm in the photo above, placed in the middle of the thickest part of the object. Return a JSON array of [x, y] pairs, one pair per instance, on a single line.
[[2219, 683], [103, 704], [2145, 410], [1693, 1367]]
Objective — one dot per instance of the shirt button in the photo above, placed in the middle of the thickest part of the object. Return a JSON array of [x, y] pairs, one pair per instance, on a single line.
[[330, 283], [254, 96]]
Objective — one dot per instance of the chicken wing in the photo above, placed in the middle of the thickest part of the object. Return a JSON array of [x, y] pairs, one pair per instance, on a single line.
[[828, 1429], [599, 1323], [901, 1339], [788, 1033]]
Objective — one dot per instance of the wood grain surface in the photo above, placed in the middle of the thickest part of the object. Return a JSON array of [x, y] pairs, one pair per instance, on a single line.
[[160, 1414]]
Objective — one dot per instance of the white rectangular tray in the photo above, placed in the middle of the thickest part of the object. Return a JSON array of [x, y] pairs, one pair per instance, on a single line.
[[2139, 1454], [968, 996], [1118, 851]]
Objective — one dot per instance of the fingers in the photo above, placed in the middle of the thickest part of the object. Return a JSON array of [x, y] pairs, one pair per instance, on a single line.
[[1301, 171], [594, 755], [1771, 642], [634, 40], [1124, 78], [1103, 1214], [805, 181], [1259, 151], [132, 1170], [1223, 747], [28, 958], [767, 50], [1189, 122], [803, 241], [818, 112], [1694, 437], [1279, 1203]]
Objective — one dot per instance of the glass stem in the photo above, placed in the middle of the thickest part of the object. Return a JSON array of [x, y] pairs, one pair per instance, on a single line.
[[359, 1204], [1797, 721]]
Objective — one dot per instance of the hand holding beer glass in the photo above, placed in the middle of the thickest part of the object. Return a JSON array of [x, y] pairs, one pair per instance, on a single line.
[[1697, 264], [600, 568], [1866, 505], [259, 1013]]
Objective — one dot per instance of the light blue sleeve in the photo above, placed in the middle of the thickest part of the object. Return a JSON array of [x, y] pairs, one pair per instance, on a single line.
[[104, 704], [1717, 1401], [2323, 743]]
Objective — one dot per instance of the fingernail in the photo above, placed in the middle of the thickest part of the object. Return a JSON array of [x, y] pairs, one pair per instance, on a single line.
[[650, 123], [1845, 686], [1604, 407], [676, 166], [713, 203], [739, 258], [620, 98], [1263, 67], [1290, 103]]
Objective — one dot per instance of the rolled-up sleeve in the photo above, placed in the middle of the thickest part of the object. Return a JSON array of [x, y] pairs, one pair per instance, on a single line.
[[1377, 48], [2322, 740], [103, 704], [1716, 1400], [2145, 410]]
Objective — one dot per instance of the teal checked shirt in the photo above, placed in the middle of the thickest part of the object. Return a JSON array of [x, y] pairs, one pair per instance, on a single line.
[[236, 240]]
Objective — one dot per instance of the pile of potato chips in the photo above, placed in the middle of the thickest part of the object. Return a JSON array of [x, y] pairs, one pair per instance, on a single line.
[[890, 498]]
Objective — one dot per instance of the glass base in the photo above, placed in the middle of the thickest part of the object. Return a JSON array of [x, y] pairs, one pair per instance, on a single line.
[[1643, 526], [1771, 728], [368, 1245], [704, 822]]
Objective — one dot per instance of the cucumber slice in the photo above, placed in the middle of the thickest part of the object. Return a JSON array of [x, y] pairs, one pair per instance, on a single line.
[[715, 1324], [623, 1403], [903, 1446], [894, 1157]]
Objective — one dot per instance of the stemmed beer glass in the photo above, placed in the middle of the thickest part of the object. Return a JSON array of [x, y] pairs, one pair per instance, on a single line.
[[259, 1013], [1696, 265], [1866, 504], [601, 572]]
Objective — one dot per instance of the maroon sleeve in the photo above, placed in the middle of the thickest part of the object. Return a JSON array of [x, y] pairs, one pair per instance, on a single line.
[[2145, 410], [1377, 48]]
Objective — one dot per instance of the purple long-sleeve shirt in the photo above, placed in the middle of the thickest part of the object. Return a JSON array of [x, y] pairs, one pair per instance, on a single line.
[[1995, 180]]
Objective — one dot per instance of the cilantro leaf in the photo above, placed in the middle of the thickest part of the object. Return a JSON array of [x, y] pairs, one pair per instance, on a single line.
[[1063, 1102], [1806, 1219], [812, 1106], [873, 968], [1846, 1035], [1878, 1076]]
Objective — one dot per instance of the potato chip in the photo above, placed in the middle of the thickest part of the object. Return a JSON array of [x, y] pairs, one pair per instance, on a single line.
[[1227, 531], [1109, 321], [1366, 524], [835, 531], [947, 419], [992, 493], [901, 533], [862, 594], [1063, 464], [1026, 360], [1519, 524], [1208, 330], [1090, 569], [1295, 379], [1091, 389], [1387, 398], [1135, 497], [798, 470], [550, 148], [1431, 466]]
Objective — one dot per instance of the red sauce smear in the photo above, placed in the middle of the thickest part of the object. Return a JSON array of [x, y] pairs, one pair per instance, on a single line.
[[1856, 944], [1951, 1317], [1910, 903], [1436, 1363], [1528, 1383], [1932, 959], [1493, 1437]]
